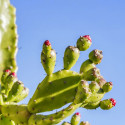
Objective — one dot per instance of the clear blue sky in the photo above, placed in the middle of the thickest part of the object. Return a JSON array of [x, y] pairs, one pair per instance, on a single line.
[[62, 22]]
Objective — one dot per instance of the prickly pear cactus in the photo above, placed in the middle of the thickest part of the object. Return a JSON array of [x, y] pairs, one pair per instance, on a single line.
[[57, 89], [75, 120]]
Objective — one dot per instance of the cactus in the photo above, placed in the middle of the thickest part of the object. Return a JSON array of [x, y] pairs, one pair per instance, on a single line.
[[57, 89], [75, 120], [8, 37], [5, 121]]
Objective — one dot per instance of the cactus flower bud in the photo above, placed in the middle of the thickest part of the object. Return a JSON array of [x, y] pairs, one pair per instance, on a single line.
[[47, 43], [113, 101], [75, 119], [107, 104], [46, 47], [96, 56], [9, 81], [4, 76], [8, 71], [13, 74], [84, 42]]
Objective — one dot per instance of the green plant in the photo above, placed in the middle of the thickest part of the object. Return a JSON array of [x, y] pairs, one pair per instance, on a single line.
[[57, 89]]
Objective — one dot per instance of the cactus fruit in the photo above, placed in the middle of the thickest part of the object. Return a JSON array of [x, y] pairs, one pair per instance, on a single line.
[[11, 78], [96, 56], [71, 55], [76, 119], [47, 47], [107, 87], [107, 104], [48, 58], [84, 42], [56, 89], [5, 74], [15, 91]]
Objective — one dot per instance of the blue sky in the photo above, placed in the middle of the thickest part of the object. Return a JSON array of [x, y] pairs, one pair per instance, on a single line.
[[62, 22]]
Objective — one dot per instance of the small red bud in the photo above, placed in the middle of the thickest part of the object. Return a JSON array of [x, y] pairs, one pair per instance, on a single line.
[[113, 101], [8, 71], [47, 43], [78, 114], [14, 74], [88, 37], [110, 83]]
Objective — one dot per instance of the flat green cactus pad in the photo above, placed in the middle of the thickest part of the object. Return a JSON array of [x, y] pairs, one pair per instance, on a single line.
[[54, 91], [8, 37], [5, 121]]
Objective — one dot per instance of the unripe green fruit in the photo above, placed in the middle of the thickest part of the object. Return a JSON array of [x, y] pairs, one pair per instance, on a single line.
[[15, 91], [24, 93], [48, 61], [84, 42], [9, 82], [107, 104], [107, 87], [4, 76], [96, 56], [71, 56], [75, 119], [47, 47]]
